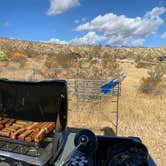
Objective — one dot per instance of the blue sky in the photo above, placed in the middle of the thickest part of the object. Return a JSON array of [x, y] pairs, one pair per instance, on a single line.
[[81, 22]]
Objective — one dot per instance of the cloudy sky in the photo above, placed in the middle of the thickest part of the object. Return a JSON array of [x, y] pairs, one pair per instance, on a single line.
[[134, 23]]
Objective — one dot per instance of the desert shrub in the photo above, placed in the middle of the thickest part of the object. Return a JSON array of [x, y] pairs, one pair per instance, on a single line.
[[108, 56], [112, 66], [59, 60], [3, 56], [144, 60], [64, 60], [30, 51], [94, 52], [10, 51], [143, 64], [92, 73], [74, 55], [155, 75]]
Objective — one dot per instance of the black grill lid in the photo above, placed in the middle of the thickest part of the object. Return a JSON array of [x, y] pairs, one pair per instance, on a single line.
[[34, 101]]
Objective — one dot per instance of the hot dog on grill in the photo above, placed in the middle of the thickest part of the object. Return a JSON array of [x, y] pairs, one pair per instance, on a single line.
[[40, 135], [25, 130], [4, 121], [24, 134], [18, 132], [49, 126], [1, 126], [34, 125], [18, 125], [31, 137], [5, 133], [23, 122], [10, 122]]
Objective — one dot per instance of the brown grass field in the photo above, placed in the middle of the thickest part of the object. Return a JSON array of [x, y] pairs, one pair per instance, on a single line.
[[140, 115]]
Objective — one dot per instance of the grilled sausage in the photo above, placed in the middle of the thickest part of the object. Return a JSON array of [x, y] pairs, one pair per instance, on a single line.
[[4, 121], [18, 132], [31, 137], [34, 125], [1, 126], [5, 133], [49, 126], [21, 122], [35, 130], [18, 125], [10, 122], [40, 135], [24, 134]]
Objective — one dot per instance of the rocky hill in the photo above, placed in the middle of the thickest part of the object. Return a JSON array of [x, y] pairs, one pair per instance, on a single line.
[[9, 46]]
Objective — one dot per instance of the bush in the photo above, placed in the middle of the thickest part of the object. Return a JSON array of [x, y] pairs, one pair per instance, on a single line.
[[141, 64], [113, 68], [59, 60], [155, 75], [3, 56]]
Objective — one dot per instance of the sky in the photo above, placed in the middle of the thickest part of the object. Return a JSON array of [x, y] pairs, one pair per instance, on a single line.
[[132, 23]]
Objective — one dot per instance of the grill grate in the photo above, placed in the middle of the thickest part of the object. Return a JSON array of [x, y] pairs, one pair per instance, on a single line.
[[21, 149]]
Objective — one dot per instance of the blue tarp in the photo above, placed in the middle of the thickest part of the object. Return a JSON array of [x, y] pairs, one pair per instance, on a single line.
[[106, 88]]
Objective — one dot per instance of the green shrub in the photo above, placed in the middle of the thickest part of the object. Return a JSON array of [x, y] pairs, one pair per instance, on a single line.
[[3, 56]]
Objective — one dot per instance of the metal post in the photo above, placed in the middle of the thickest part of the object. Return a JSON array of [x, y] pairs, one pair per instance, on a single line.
[[117, 110]]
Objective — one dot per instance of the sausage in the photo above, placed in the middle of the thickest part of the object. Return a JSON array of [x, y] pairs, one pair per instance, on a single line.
[[21, 122], [12, 129], [28, 139], [35, 130], [5, 133], [40, 135], [18, 132], [18, 125], [4, 121], [31, 137], [41, 125], [49, 127], [34, 125], [10, 122], [1, 126], [24, 134], [25, 130]]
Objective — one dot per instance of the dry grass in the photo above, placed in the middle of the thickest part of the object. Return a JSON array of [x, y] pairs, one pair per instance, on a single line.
[[140, 115]]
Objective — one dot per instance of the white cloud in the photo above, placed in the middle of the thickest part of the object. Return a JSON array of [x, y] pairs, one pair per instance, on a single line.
[[56, 41], [91, 38], [163, 36], [60, 6], [120, 29]]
